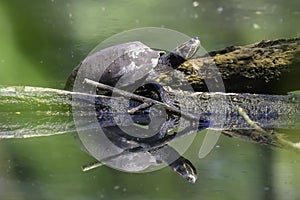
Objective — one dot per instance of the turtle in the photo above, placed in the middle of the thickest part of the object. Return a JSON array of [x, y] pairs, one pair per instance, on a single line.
[[127, 64], [132, 61]]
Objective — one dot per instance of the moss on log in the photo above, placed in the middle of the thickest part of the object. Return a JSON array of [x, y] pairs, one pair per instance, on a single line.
[[263, 67]]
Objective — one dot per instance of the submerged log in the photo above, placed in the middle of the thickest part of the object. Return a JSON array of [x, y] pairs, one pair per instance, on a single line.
[[269, 66]]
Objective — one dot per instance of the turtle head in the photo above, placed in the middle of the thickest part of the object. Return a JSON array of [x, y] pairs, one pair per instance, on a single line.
[[185, 169], [188, 49]]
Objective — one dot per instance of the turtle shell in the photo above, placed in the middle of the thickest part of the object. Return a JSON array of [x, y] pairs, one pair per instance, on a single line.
[[119, 65]]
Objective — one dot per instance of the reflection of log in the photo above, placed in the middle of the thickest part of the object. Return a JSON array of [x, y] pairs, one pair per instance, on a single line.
[[32, 112], [262, 67]]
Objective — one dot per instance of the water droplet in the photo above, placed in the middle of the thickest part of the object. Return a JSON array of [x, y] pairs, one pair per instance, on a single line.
[[117, 187], [2, 61], [103, 9], [256, 26], [196, 15], [266, 188], [295, 161], [70, 15], [220, 10], [195, 4]]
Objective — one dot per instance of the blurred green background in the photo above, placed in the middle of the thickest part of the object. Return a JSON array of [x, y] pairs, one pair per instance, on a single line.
[[41, 41]]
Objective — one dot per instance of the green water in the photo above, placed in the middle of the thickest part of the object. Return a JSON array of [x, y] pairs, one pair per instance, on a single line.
[[43, 40]]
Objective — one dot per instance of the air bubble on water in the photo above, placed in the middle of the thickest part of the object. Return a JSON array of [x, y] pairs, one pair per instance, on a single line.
[[52, 1], [103, 9], [295, 161], [195, 4], [70, 15], [196, 15], [258, 12], [2, 61], [256, 26], [266, 188], [220, 10], [116, 187], [218, 146], [124, 189]]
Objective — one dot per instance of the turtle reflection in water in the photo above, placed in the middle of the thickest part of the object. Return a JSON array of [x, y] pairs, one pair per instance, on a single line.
[[130, 68]]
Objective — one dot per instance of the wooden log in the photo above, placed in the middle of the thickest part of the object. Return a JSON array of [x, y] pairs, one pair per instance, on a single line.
[[269, 66]]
